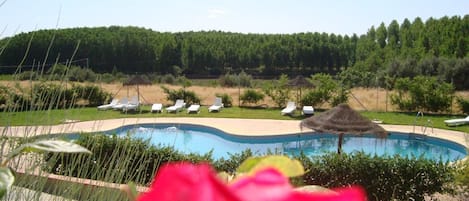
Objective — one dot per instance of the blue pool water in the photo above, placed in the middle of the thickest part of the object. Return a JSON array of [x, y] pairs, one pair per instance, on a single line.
[[189, 138]]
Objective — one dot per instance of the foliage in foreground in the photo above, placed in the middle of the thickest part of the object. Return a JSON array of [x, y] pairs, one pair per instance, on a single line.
[[120, 160], [384, 178]]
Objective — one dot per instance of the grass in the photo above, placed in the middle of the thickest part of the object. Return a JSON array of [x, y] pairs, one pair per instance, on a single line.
[[50, 117]]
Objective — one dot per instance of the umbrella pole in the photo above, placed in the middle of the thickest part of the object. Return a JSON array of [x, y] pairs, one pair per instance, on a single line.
[[339, 146]]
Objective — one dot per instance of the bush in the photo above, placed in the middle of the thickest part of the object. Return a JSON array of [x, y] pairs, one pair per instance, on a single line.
[[79, 74], [463, 104], [462, 173], [384, 178], [226, 99], [168, 79], [241, 80], [251, 96], [114, 159], [27, 75], [421, 92], [107, 78], [189, 97], [324, 90], [123, 159], [279, 91]]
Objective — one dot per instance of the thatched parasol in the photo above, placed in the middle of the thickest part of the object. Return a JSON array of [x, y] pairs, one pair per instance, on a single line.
[[342, 120], [137, 80], [300, 82]]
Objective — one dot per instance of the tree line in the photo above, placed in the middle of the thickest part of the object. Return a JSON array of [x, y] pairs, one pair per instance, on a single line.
[[368, 57]]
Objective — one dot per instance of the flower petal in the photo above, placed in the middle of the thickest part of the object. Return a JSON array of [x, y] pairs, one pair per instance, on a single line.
[[268, 184], [185, 181]]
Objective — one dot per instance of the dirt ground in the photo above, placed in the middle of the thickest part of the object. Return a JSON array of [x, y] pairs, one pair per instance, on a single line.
[[360, 98]]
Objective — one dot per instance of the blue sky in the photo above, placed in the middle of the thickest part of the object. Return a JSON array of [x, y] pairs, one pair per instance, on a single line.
[[255, 16]]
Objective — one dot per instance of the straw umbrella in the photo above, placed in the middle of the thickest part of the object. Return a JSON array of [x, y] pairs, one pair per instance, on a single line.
[[299, 82], [342, 120], [137, 80]]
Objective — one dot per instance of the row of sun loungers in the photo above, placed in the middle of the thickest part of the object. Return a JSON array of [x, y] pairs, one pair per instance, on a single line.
[[180, 105], [134, 104]]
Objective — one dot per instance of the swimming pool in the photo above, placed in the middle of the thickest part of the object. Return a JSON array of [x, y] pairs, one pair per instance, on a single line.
[[189, 138]]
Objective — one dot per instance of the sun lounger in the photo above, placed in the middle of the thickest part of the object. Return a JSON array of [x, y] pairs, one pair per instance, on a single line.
[[177, 106], [114, 102], [457, 122], [132, 105], [193, 109], [120, 105], [308, 110], [291, 107], [157, 107], [217, 105]]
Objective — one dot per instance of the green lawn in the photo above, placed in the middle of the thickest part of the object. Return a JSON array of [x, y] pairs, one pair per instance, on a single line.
[[85, 114]]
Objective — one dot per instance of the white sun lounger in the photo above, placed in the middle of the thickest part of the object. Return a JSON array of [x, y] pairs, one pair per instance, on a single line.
[[114, 101], [193, 109], [308, 110], [457, 122], [217, 105], [120, 105], [132, 105], [291, 107], [177, 106], [157, 107]]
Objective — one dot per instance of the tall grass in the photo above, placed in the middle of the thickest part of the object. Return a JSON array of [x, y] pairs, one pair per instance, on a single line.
[[35, 108]]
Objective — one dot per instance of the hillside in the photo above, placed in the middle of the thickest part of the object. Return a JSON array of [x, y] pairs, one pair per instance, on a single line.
[[436, 47]]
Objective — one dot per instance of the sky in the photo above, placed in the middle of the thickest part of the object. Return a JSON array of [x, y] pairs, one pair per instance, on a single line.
[[344, 17]]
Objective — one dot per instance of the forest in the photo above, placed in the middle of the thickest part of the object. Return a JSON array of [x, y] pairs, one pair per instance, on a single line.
[[434, 47]]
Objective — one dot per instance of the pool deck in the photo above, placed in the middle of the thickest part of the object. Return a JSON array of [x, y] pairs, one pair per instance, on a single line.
[[245, 127]]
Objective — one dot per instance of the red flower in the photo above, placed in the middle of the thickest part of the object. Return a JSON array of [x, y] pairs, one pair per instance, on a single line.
[[184, 181]]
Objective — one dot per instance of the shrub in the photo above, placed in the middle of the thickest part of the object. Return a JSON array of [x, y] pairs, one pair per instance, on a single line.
[[462, 173], [229, 80], [168, 79], [421, 92], [123, 159], [326, 90], [384, 178], [81, 74], [341, 96], [251, 96], [107, 78], [226, 99], [279, 91], [463, 104], [27, 75], [241, 80], [189, 96]]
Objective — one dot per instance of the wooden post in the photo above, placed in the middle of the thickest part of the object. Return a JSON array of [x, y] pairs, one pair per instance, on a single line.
[[339, 146]]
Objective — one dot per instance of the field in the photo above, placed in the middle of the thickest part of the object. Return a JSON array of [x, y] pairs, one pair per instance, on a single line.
[[361, 99]]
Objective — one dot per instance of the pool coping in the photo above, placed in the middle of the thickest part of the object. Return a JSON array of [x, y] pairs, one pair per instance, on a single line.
[[234, 126]]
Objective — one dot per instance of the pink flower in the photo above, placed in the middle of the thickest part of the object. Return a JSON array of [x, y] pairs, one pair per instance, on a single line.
[[185, 181]]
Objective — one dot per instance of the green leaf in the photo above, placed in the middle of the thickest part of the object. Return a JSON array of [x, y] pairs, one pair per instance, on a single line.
[[6, 180], [287, 166], [248, 164], [48, 146]]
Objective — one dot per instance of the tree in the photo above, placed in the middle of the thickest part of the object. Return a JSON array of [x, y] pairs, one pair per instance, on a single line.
[[381, 35], [278, 90]]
